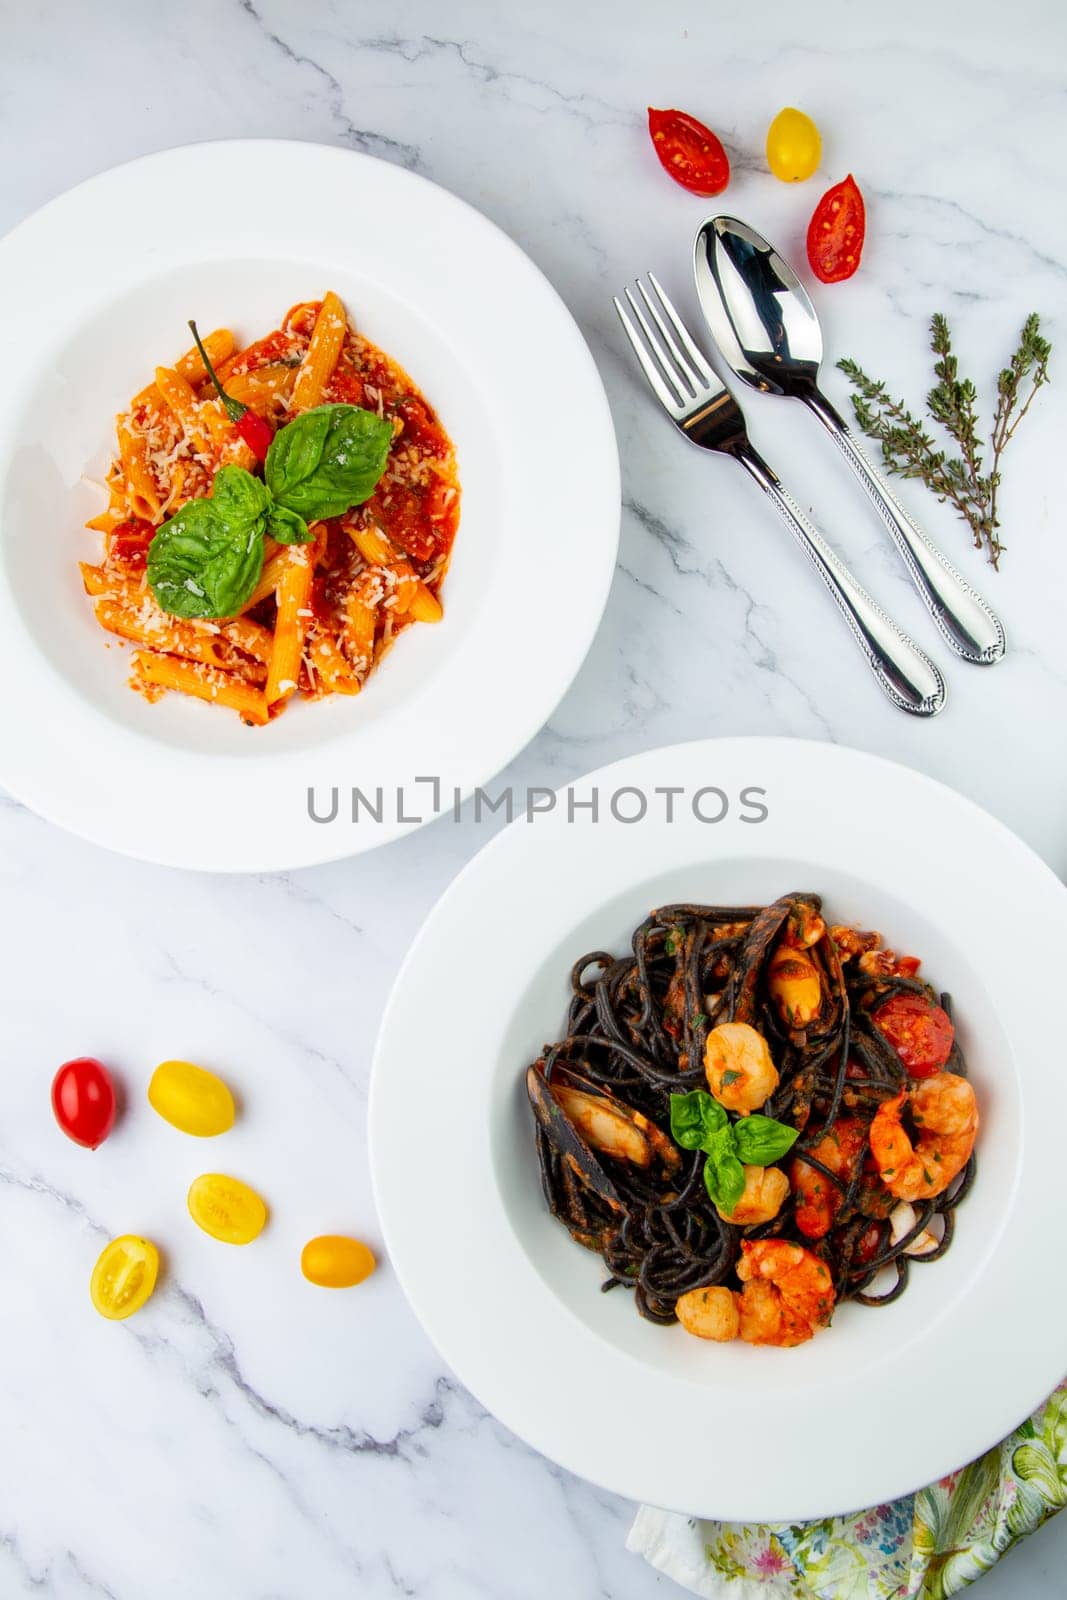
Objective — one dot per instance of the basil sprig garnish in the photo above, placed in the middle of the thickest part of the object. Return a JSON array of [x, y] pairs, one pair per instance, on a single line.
[[207, 559], [699, 1122]]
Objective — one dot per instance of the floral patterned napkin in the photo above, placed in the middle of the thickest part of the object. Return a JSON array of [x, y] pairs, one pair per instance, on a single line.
[[925, 1547]]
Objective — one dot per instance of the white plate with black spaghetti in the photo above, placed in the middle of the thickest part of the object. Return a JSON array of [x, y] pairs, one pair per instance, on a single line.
[[91, 303], [884, 1399]]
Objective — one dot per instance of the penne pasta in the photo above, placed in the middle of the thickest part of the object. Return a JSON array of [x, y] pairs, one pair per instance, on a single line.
[[294, 593], [425, 606], [316, 369], [270, 577], [141, 493], [204, 683], [330, 671], [219, 346], [131, 605], [320, 616], [173, 637], [178, 396], [360, 624]]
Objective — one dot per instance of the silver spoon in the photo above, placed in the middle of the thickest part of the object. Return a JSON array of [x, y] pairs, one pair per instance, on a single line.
[[768, 334]]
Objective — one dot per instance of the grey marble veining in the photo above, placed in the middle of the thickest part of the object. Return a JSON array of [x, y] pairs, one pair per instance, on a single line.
[[249, 1437]]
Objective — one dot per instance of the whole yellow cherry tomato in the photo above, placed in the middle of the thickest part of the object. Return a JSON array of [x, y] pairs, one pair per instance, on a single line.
[[124, 1276], [336, 1262], [226, 1208], [794, 148], [191, 1099]]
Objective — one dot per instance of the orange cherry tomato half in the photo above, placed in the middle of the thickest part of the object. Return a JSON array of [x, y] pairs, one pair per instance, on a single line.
[[836, 232], [334, 1261], [920, 1032], [689, 151], [83, 1099]]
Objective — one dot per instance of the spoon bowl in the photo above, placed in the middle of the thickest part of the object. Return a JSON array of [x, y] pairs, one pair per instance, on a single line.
[[759, 312], [768, 334]]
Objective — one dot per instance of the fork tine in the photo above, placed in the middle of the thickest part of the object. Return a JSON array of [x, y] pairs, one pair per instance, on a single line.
[[679, 379], [685, 367], [682, 331], [667, 396]]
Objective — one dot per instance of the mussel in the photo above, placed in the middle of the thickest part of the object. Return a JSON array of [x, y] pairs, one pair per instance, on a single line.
[[577, 1121]]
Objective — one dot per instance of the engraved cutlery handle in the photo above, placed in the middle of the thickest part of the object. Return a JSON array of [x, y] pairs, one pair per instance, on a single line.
[[905, 673], [965, 621]]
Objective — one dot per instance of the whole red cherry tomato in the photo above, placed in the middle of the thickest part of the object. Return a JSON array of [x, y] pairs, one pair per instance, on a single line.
[[836, 232], [83, 1099], [690, 152], [920, 1032]]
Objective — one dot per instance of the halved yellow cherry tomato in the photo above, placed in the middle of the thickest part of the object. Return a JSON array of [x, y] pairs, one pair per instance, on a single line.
[[794, 148], [226, 1208], [192, 1099], [336, 1262], [124, 1276]]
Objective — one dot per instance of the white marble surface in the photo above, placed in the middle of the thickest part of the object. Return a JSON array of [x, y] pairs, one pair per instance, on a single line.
[[249, 1436]]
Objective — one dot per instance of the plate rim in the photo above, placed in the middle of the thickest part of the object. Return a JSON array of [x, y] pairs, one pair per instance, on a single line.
[[44, 794], [530, 1432]]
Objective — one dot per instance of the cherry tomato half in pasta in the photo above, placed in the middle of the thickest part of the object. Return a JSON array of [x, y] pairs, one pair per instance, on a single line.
[[83, 1100], [689, 151], [128, 542], [920, 1032], [836, 232]]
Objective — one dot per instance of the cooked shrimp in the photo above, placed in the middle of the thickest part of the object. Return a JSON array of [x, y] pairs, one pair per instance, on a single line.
[[818, 1199], [709, 1313], [787, 1294], [945, 1113], [738, 1066], [765, 1190]]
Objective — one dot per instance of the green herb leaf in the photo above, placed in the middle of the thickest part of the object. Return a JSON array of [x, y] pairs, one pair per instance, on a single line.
[[724, 1176], [288, 527], [761, 1141], [327, 460], [238, 496], [910, 452], [206, 560], [695, 1119], [731, 1075]]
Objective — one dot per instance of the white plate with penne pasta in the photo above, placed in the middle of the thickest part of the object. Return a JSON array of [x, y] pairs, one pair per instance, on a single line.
[[267, 532]]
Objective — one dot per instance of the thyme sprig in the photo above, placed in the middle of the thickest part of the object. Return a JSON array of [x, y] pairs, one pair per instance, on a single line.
[[908, 451]]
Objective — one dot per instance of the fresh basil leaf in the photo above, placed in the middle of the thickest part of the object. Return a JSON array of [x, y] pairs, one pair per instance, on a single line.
[[327, 460], [762, 1141], [288, 527], [695, 1118], [206, 560], [238, 496], [724, 1176]]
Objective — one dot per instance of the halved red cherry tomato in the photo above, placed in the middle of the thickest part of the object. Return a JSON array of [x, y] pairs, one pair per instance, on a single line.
[[691, 153], [836, 232], [128, 542], [83, 1099], [920, 1032]]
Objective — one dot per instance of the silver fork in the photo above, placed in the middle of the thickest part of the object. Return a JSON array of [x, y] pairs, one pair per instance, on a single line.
[[703, 409]]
